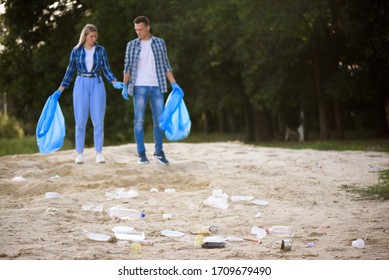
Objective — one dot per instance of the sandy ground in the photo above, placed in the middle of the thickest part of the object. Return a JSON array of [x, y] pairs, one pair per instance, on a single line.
[[304, 190]]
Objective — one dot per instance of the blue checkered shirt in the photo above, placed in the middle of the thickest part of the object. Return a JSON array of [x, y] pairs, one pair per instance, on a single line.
[[77, 62], [161, 62]]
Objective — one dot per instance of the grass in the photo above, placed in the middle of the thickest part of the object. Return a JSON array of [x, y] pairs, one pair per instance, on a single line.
[[25, 145], [378, 191]]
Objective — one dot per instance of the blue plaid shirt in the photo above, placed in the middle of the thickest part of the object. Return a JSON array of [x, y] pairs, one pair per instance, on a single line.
[[77, 61], [161, 62]]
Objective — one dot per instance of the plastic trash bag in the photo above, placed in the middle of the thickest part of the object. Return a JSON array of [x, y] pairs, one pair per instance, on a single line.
[[50, 131], [175, 120]]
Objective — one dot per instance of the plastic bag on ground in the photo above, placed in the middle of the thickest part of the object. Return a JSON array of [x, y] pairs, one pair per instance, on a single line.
[[175, 120], [50, 131]]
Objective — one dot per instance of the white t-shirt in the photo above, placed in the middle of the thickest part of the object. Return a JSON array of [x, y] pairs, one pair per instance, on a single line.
[[89, 58], [147, 74]]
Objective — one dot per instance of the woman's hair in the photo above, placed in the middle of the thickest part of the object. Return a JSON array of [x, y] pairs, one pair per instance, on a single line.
[[85, 31]]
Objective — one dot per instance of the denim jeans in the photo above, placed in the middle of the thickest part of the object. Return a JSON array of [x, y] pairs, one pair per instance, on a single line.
[[89, 99], [142, 94]]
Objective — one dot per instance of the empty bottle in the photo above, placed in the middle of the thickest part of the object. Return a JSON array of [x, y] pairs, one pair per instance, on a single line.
[[281, 231]]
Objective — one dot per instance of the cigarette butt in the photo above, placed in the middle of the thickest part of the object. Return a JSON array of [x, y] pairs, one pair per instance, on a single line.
[[253, 240], [147, 243]]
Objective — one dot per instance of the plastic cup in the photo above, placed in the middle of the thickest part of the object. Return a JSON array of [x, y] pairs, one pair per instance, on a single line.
[[359, 243]]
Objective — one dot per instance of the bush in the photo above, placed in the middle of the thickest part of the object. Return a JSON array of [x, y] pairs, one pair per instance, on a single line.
[[10, 127]]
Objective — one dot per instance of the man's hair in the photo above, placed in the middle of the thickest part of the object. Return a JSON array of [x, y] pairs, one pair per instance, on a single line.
[[141, 19]]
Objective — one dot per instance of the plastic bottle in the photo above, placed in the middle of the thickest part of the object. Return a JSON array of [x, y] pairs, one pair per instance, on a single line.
[[281, 231]]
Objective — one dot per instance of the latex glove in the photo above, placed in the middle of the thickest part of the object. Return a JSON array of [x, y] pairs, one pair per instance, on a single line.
[[125, 92], [57, 94], [118, 85], [176, 86]]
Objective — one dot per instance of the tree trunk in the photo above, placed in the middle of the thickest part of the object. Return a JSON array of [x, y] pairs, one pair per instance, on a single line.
[[323, 124], [262, 126], [249, 121], [338, 111]]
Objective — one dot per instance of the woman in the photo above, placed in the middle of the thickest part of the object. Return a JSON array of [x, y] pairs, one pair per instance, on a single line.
[[89, 96]]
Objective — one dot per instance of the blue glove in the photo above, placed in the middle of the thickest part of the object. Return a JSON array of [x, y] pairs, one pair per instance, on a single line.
[[125, 92], [176, 86], [57, 94], [118, 85]]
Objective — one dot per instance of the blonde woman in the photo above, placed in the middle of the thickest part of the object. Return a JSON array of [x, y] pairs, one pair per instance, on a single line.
[[88, 59]]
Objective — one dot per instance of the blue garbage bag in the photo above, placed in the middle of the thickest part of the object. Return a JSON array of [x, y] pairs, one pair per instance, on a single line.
[[175, 120], [50, 131]]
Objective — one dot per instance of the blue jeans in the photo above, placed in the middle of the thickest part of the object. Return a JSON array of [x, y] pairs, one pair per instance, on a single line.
[[142, 94], [89, 99]]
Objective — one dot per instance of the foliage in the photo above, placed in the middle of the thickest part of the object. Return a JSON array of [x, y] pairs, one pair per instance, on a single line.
[[24, 145], [247, 66], [10, 127]]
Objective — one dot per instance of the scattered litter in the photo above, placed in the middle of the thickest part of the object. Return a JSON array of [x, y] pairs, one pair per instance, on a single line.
[[281, 231], [121, 193], [93, 208], [310, 245], [128, 233], [56, 176], [167, 216], [286, 245], [260, 202], [199, 240], [233, 239], [136, 247], [213, 242], [207, 230], [147, 243], [235, 198], [259, 232], [219, 193], [258, 241], [18, 179], [318, 165], [359, 244], [214, 239], [143, 214], [172, 233], [52, 195], [218, 199], [170, 190], [97, 236], [123, 213], [258, 215], [124, 229], [154, 190]]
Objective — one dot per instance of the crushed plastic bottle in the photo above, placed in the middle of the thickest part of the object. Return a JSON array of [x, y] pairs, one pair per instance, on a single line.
[[281, 231]]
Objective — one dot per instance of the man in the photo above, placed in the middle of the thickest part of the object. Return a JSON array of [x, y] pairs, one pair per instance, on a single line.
[[146, 67]]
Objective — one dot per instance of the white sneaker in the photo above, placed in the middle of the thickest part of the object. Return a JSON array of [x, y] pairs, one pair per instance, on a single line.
[[100, 158], [79, 159]]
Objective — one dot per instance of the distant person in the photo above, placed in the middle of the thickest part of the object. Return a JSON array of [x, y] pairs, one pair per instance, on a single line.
[[146, 68], [88, 58]]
